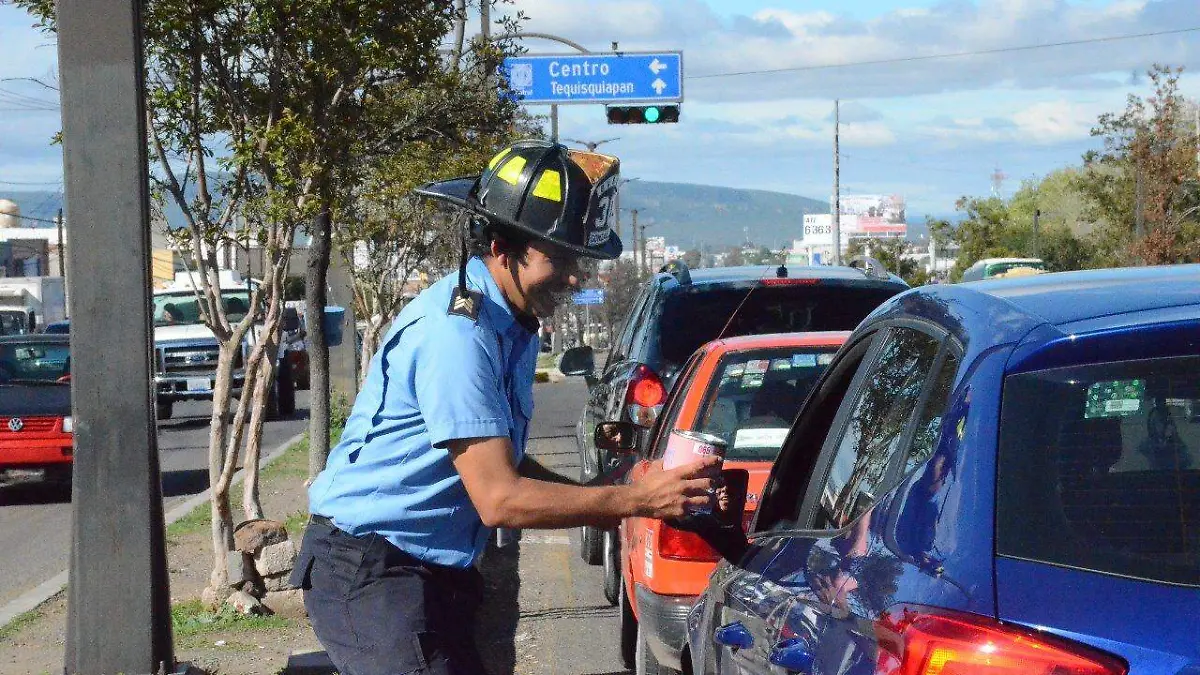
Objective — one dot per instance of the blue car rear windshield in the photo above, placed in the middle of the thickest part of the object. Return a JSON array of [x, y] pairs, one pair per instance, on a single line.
[[1100, 468]]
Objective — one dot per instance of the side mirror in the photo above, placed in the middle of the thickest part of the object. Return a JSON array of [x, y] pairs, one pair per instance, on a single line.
[[723, 529], [618, 437], [291, 320], [577, 361]]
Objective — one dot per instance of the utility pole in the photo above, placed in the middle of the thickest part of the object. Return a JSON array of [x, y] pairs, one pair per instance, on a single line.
[[837, 185], [637, 249], [62, 262], [553, 122], [1139, 207], [118, 597], [1037, 216]]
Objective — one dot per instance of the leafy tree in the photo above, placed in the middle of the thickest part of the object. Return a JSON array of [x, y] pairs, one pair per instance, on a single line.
[[734, 257], [622, 283], [1150, 144], [692, 258], [890, 251]]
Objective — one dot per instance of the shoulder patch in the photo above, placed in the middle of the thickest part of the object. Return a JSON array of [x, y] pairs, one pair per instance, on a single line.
[[465, 303]]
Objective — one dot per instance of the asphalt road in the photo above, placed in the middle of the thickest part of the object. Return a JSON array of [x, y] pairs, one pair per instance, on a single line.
[[549, 613], [35, 520]]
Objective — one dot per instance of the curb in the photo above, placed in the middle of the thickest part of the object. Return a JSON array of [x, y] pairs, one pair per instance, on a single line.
[[52, 587]]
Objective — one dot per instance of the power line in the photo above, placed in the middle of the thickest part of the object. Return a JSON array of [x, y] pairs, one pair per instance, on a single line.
[[951, 55]]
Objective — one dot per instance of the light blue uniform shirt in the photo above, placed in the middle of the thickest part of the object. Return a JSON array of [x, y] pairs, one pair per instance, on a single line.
[[437, 377]]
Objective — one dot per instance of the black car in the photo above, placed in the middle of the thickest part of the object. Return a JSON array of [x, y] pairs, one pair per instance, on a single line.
[[680, 309]]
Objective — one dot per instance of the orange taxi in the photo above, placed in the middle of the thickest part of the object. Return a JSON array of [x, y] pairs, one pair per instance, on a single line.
[[747, 391]]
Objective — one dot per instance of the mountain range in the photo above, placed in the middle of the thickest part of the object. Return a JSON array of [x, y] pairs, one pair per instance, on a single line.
[[687, 214]]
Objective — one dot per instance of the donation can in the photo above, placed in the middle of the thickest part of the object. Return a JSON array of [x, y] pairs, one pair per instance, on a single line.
[[685, 447]]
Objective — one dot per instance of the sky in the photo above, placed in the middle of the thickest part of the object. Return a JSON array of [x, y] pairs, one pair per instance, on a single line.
[[932, 130]]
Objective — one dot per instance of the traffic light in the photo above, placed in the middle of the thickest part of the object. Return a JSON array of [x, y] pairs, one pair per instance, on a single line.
[[643, 114]]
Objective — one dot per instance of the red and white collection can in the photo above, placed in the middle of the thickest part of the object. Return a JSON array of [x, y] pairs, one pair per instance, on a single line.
[[686, 447]]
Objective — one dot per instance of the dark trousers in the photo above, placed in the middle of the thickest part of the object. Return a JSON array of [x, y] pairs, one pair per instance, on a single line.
[[380, 611]]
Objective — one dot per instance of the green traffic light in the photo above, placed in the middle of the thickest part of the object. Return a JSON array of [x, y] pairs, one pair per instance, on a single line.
[[651, 114]]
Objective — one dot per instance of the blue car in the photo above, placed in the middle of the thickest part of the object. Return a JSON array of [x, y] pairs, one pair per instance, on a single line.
[[998, 477]]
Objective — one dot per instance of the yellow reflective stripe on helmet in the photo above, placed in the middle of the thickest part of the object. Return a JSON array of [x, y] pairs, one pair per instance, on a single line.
[[549, 186], [499, 156], [510, 171]]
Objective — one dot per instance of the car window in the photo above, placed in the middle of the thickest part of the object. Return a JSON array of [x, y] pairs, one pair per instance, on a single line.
[[621, 351], [768, 309], [34, 362], [783, 497], [674, 405], [1099, 468], [883, 405], [929, 423], [755, 395]]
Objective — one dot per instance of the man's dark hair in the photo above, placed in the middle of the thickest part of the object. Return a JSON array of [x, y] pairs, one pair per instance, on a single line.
[[483, 233]]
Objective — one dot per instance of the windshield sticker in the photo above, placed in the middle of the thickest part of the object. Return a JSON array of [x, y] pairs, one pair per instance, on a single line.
[[781, 364], [760, 438], [804, 360], [1117, 398], [759, 366], [824, 359]]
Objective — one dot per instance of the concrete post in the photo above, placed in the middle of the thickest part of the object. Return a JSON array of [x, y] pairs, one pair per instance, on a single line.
[[119, 601]]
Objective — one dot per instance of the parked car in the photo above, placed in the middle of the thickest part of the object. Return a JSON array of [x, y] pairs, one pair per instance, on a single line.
[[58, 328], [745, 391], [680, 309], [993, 477], [992, 268], [36, 429]]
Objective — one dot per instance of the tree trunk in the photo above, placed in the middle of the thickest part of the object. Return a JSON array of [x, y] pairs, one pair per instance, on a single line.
[[318, 347], [251, 500], [222, 514]]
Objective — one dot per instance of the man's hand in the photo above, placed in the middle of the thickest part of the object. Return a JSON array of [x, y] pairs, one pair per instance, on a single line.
[[668, 494]]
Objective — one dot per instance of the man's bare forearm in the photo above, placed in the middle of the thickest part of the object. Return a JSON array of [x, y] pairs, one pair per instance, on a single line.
[[539, 504], [531, 468]]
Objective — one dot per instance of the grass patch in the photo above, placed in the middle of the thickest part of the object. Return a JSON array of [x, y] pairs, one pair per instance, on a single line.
[[547, 361], [193, 623], [295, 525], [20, 623]]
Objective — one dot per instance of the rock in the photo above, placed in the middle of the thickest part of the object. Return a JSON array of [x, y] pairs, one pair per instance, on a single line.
[[278, 582], [250, 536], [275, 559], [288, 603], [240, 568], [247, 604]]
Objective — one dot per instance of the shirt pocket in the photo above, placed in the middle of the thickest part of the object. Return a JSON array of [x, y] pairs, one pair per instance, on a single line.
[[522, 414]]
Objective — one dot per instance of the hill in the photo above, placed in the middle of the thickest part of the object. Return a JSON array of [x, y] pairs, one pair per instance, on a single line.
[[687, 214], [691, 215]]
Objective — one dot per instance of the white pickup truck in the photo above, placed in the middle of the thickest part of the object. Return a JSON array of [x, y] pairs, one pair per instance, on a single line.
[[186, 351]]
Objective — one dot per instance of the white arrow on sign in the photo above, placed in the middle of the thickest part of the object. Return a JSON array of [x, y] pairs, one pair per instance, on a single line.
[[658, 85], [657, 66]]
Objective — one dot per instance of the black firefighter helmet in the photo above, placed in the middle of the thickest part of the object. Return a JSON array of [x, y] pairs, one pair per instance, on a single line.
[[544, 190]]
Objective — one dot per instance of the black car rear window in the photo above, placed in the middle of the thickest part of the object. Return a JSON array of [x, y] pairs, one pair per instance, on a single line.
[[1100, 468], [695, 315]]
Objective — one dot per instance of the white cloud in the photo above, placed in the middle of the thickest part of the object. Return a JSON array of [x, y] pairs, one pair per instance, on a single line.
[[780, 37], [1054, 121]]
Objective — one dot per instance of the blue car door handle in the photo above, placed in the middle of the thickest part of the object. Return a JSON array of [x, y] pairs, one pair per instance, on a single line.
[[733, 635], [792, 655]]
